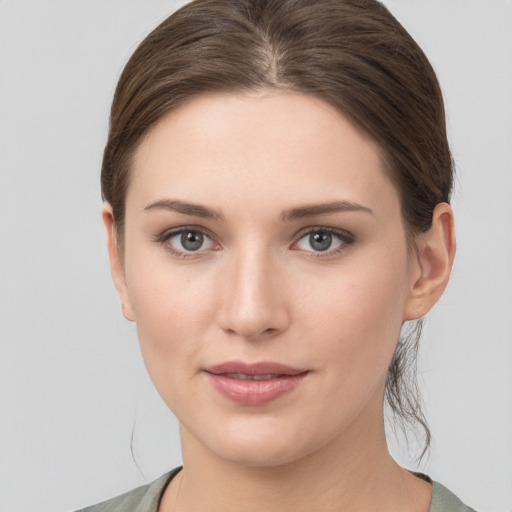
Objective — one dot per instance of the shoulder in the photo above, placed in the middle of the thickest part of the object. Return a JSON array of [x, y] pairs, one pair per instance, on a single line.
[[444, 500], [142, 499]]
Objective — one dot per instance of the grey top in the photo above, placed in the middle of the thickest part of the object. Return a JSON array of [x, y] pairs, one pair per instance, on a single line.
[[147, 498]]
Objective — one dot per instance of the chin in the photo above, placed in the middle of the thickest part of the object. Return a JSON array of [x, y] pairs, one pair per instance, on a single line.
[[264, 443], [260, 455]]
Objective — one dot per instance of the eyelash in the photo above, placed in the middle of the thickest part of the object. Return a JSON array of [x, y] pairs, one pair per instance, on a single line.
[[344, 237], [166, 236]]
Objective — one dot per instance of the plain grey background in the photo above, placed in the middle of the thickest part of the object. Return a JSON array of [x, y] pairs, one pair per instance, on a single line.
[[73, 389]]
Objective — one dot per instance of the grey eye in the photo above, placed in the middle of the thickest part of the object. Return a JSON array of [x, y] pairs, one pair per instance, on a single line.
[[320, 241], [191, 240]]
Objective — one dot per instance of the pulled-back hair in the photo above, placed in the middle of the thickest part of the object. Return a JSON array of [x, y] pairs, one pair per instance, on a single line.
[[352, 54]]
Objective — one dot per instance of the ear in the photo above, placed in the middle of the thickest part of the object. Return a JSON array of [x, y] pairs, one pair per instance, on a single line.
[[433, 263], [116, 262]]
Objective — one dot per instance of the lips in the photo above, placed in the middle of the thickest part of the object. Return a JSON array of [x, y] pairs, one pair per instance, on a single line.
[[254, 384]]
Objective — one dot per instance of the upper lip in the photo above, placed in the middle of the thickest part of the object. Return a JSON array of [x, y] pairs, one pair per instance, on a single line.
[[260, 368]]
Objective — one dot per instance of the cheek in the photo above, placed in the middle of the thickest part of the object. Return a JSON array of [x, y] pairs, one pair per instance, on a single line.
[[173, 311], [356, 338], [357, 316]]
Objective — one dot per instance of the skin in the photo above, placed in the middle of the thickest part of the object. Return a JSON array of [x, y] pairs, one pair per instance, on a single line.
[[257, 290]]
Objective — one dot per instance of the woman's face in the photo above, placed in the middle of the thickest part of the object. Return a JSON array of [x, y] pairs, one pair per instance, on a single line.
[[266, 267]]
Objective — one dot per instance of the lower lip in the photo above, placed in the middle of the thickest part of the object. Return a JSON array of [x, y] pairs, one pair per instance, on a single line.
[[255, 392]]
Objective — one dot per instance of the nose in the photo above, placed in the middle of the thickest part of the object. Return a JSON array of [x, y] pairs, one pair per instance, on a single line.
[[253, 304]]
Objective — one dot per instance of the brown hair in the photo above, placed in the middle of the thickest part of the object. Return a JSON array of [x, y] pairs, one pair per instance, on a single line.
[[351, 53]]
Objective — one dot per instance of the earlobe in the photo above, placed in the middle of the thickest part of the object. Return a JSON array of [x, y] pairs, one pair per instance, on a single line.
[[434, 260], [116, 262]]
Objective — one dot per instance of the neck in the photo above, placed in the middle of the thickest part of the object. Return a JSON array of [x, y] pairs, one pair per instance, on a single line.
[[354, 472]]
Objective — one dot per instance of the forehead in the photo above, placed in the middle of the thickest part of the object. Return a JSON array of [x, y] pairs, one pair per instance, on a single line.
[[271, 146]]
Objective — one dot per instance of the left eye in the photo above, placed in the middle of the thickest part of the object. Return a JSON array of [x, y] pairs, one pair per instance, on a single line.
[[322, 240], [189, 240]]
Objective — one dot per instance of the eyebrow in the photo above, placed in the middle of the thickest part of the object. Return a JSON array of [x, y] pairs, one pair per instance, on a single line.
[[175, 205], [291, 214], [314, 210]]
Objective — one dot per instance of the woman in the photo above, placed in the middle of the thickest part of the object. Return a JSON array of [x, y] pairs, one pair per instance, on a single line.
[[277, 182]]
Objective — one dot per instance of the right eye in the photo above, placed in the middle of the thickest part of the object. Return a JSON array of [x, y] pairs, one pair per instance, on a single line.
[[187, 241], [324, 241]]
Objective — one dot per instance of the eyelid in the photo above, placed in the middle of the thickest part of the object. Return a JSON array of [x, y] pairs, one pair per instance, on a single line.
[[166, 235], [346, 238]]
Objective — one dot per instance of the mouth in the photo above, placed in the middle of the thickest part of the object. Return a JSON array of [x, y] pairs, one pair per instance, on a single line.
[[243, 376], [254, 384]]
